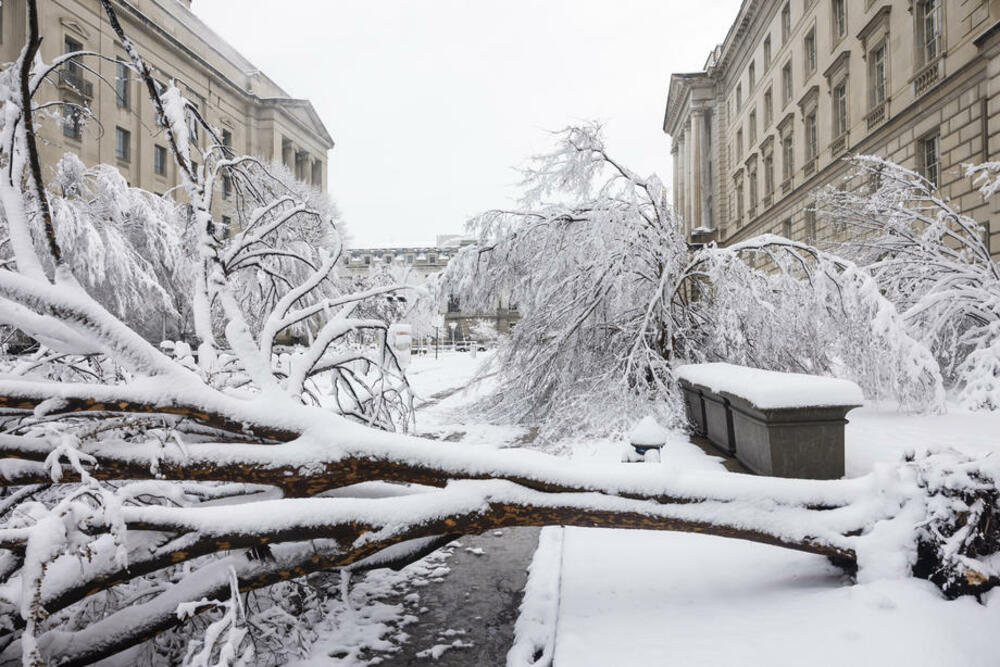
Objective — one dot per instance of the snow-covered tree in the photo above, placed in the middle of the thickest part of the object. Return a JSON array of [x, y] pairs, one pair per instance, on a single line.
[[932, 263], [484, 330], [584, 257], [778, 304], [611, 296], [145, 491], [126, 246]]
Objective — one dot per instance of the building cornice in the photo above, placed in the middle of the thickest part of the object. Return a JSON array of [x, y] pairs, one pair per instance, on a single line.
[[218, 76], [681, 88]]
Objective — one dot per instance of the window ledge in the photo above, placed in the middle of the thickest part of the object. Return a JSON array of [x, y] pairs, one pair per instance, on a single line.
[[838, 145], [928, 75]]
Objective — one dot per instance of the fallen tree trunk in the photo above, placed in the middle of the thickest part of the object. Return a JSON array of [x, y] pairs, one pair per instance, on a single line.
[[463, 508]]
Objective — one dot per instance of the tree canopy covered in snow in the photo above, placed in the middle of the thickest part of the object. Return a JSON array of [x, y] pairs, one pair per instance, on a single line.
[[611, 296], [932, 262]]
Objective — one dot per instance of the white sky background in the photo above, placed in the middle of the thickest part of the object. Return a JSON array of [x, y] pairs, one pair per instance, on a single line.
[[432, 103]]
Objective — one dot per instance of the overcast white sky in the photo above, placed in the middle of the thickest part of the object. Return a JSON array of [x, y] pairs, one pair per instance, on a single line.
[[431, 103]]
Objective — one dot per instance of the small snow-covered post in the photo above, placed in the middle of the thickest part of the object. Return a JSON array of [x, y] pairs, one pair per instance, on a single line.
[[648, 438]]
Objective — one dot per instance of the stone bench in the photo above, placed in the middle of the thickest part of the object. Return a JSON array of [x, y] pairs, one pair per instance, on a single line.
[[776, 424]]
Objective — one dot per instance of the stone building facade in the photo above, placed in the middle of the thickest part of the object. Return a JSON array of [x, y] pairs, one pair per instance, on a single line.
[[797, 85], [426, 261], [250, 110]]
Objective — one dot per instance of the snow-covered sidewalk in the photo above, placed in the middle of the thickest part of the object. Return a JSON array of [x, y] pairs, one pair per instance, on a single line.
[[652, 598]]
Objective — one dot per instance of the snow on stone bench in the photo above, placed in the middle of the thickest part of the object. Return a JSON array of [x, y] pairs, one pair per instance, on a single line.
[[781, 424]]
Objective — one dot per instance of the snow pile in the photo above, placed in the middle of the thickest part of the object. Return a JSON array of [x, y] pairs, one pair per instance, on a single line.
[[534, 632], [771, 389], [648, 433]]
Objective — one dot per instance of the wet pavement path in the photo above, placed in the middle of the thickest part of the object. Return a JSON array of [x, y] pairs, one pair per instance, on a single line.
[[470, 615]]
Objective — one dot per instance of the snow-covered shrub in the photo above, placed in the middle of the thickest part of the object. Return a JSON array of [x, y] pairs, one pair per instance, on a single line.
[[932, 263]]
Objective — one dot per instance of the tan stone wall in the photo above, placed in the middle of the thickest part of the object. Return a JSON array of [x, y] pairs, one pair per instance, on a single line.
[[949, 96], [179, 47]]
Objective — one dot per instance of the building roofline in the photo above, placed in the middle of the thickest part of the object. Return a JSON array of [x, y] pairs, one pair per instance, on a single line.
[[230, 54], [309, 109], [680, 88]]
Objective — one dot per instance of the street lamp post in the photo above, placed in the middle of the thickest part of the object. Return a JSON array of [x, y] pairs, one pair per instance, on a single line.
[[437, 338]]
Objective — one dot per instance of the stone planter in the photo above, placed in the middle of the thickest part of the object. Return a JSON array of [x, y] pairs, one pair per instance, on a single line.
[[719, 422], [790, 442], [695, 405], [776, 424]]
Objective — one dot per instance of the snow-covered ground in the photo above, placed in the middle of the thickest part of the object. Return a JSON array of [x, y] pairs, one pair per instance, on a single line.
[[651, 598], [446, 384], [600, 597]]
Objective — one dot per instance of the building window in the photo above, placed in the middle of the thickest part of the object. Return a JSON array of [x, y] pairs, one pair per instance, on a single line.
[[786, 23], [840, 109], [453, 304], [227, 138], [767, 52], [368, 260], [739, 201], [739, 144], [192, 122], [786, 228], [929, 154], [768, 106], [768, 175], [786, 83], [929, 30], [809, 45], [121, 85], [811, 223], [72, 121], [812, 148], [739, 97], [839, 10], [159, 160], [123, 144], [787, 158], [752, 177], [877, 75], [227, 186], [73, 66], [227, 227], [752, 128], [752, 76]]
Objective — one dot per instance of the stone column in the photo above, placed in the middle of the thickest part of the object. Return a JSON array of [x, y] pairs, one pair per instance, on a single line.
[[697, 122], [675, 160], [682, 179]]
